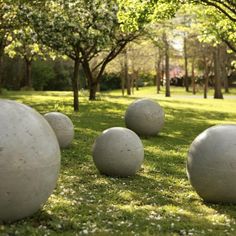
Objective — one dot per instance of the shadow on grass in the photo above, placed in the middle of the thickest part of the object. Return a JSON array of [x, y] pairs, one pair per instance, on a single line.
[[159, 194]]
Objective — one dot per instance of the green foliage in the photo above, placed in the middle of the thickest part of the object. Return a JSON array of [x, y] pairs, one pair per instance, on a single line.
[[110, 82], [42, 74], [136, 14], [147, 79], [13, 73], [214, 27], [93, 21], [157, 201], [8, 22]]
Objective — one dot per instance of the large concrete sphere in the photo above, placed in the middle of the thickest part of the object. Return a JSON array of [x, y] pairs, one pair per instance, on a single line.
[[29, 160], [62, 126], [145, 117], [118, 152], [211, 164]]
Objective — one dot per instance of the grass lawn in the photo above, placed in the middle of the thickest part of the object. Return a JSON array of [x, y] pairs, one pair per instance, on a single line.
[[157, 201]]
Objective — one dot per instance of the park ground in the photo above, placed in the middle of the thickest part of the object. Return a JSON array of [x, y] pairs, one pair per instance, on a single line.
[[159, 200]]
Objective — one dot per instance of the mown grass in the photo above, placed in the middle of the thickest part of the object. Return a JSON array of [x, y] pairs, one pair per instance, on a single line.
[[157, 201]]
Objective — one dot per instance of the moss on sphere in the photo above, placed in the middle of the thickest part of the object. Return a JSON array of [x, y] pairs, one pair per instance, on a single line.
[[62, 126], [211, 164], [118, 152], [29, 160], [145, 117]]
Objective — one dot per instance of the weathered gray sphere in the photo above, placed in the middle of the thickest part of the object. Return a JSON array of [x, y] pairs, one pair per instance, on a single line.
[[62, 126], [118, 152], [29, 160], [145, 117], [211, 164]]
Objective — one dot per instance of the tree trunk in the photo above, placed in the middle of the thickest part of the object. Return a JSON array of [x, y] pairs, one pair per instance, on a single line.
[[1, 65], [217, 94], [92, 91], [206, 86], [123, 84], [167, 67], [186, 84], [126, 75], [75, 86], [137, 80], [158, 74], [226, 83], [28, 73], [193, 77], [224, 64], [206, 79]]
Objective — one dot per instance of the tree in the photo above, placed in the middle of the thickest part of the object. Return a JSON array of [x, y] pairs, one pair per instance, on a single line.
[[226, 7], [167, 68], [219, 20], [8, 22], [81, 30], [25, 45]]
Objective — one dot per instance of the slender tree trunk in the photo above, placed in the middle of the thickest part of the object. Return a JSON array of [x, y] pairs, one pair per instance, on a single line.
[[158, 74], [123, 84], [136, 80], [132, 83], [75, 86], [206, 79], [186, 84], [92, 91], [206, 86], [1, 65], [126, 75], [28, 73], [167, 67], [218, 94], [224, 61], [207, 69], [226, 82], [193, 77]]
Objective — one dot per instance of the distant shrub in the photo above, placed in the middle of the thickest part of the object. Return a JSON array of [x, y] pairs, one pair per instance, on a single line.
[[146, 79], [42, 73], [110, 82]]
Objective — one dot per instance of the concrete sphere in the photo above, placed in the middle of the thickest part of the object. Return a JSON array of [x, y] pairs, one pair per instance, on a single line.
[[118, 152], [62, 126], [145, 117], [211, 164], [29, 160]]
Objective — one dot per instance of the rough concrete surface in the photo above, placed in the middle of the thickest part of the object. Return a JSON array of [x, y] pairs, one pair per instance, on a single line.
[[145, 117], [29, 160], [118, 152], [62, 126], [211, 164]]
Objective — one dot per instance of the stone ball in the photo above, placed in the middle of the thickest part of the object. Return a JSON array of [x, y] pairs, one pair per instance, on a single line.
[[211, 164], [62, 126], [29, 160], [118, 152], [145, 117]]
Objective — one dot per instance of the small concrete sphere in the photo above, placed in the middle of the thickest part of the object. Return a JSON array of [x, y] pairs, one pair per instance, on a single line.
[[118, 152], [211, 164], [62, 126], [29, 160], [145, 117]]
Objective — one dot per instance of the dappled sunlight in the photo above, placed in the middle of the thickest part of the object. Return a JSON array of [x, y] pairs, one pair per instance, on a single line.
[[159, 198]]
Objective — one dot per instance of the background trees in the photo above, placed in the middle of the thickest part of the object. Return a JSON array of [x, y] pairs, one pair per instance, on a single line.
[[8, 23], [91, 34]]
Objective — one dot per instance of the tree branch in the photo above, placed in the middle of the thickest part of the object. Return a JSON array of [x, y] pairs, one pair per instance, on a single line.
[[230, 45], [214, 4]]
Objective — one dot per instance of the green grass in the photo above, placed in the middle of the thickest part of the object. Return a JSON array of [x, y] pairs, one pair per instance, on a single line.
[[157, 201]]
